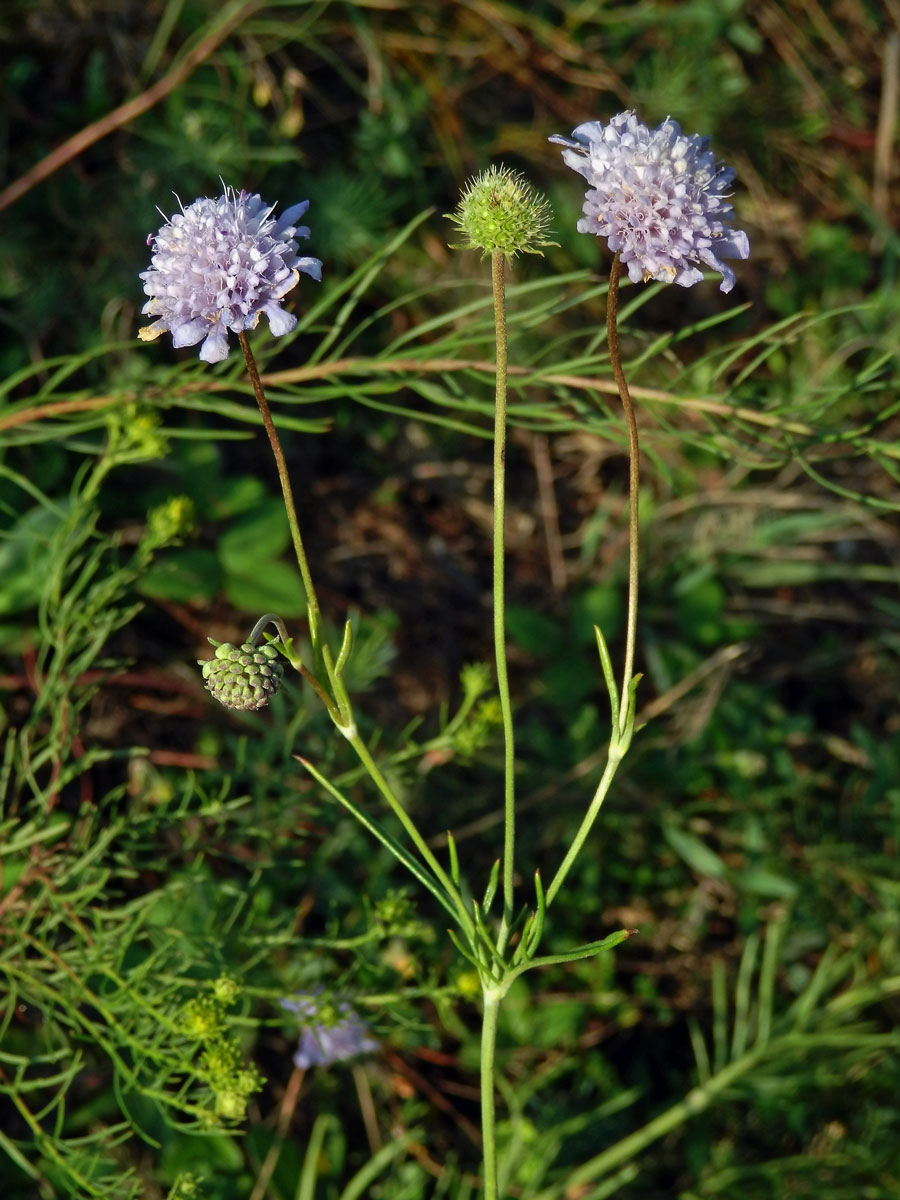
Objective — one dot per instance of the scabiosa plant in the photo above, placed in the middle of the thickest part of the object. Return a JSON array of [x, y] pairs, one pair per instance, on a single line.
[[218, 265], [658, 196], [334, 1033], [660, 199]]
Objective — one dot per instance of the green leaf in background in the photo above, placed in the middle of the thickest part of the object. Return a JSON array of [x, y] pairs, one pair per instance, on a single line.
[[23, 559], [269, 586], [600, 605], [569, 680], [763, 882], [695, 853], [699, 610], [253, 538], [533, 632], [184, 576]]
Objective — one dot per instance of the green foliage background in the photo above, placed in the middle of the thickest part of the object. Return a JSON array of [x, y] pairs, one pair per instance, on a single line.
[[168, 872]]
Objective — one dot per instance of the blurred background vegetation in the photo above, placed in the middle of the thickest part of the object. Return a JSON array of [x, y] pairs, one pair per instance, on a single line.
[[153, 845]]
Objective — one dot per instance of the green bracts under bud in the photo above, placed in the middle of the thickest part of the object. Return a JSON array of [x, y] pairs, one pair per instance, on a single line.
[[500, 211], [243, 677]]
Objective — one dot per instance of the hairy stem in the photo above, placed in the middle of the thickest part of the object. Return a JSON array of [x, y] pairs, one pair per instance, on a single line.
[[509, 785], [488, 1114], [585, 827], [633, 483], [286, 490]]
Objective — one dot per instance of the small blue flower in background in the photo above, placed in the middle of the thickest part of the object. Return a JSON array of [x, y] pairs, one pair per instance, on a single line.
[[658, 196], [334, 1033], [219, 264]]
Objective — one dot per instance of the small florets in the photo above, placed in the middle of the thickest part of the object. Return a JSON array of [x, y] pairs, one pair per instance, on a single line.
[[220, 264], [659, 196], [500, 210]]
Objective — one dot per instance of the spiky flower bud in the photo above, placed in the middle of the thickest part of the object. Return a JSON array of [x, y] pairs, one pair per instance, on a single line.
[[500, 210], [243, 677]]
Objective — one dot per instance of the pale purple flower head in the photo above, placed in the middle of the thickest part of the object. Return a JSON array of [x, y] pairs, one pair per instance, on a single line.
[[217, 265], [658, 196], [333, 1033]]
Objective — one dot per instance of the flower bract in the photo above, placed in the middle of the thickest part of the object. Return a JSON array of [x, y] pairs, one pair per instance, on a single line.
[[219, 265], [659, 196], [333, 1033]]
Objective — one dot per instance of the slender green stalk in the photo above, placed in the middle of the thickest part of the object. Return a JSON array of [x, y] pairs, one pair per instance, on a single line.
[[492, 999], [633, 482], [612, 762], [286, 490], [509, 755], [405, 820]]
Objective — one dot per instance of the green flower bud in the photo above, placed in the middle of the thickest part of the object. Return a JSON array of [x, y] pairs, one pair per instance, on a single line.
[[226, 989], [475, 679], [500, 210], [221, 1061], [230, 1105], [243, 677], [202, 1019], [186, 1187], [248, 1081], [168, 523]]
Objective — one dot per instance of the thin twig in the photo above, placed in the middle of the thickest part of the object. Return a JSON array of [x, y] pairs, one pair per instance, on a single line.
[[417, 366], [126, 112], [543, 469], [285, 1116], [887, 128]]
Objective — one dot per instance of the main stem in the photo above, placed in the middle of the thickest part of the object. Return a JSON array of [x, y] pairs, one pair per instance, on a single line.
[[634, 469], [509, 757], [488, 1120], [291, 509]]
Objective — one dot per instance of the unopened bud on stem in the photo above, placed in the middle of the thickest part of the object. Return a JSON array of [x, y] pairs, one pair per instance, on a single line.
[[500, 211]]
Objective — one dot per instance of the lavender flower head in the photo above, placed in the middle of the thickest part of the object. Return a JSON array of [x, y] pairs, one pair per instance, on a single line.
[[658, 196], [334, 1032], [217, 265]]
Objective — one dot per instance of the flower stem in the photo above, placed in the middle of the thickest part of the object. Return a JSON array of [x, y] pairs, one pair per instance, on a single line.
[[621, 736], [488, 1114], [615, 757], [291, 509], [633, 482], [362, 751], [509, 838]]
